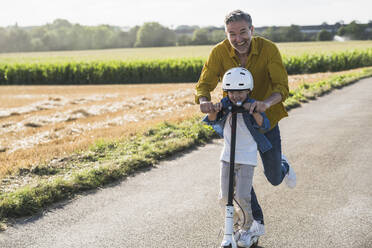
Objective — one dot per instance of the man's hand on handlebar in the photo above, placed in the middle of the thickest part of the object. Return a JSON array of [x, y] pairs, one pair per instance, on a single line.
[[206, 106], [258, 106]]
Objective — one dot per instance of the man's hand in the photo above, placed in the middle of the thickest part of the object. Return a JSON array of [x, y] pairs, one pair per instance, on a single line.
[[258, 106], [262, 106], [217, 107], [247, 105], [205, 105]]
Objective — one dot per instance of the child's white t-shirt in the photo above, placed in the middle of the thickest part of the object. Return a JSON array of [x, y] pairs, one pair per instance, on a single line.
[[246, 146]]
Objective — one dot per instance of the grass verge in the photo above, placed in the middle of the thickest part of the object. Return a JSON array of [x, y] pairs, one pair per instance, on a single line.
[[109, 161]]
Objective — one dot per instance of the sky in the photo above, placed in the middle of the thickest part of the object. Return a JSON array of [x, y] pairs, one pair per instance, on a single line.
[[172, 13]]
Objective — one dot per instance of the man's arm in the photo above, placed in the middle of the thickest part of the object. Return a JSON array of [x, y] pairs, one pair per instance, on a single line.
[[279, 83], [207, 82]]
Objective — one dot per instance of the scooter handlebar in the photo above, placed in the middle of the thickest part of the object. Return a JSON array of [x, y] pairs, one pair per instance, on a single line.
[[239, 109]]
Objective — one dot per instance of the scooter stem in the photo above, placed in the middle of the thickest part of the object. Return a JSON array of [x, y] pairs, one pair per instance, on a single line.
[[229, 239]]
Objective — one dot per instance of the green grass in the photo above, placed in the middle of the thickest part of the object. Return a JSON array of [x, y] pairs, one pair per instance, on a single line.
[[307, 92], [105, 162], [130, 54], [111, 160]]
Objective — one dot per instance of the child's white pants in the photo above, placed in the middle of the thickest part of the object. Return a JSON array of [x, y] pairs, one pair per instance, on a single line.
[[243, 186]]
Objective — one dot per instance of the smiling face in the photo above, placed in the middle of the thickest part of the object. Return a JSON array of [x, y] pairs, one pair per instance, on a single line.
[[239, 33], [237, 95]]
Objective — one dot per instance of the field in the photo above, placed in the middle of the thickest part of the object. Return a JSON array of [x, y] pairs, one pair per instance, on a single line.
[[127, 54], [39, 123]]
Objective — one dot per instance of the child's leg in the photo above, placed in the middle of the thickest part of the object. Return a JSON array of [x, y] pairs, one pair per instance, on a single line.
[[224, 183], [244, 179]]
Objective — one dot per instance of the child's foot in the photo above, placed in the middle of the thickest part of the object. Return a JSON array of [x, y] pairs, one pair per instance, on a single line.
[[290, 177], [256, 230], [244, 239]]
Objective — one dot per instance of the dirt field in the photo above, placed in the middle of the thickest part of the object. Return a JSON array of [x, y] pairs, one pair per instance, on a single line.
[[38, 123], [151, 53]]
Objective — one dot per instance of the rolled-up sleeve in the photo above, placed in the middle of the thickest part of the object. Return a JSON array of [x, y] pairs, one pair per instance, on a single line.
[[209, 77], [278, 74]]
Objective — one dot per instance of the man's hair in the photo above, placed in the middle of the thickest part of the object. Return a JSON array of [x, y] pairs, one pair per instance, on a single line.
[[238, 15]]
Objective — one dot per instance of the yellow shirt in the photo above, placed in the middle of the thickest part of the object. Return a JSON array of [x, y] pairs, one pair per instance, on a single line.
[[265, 64]]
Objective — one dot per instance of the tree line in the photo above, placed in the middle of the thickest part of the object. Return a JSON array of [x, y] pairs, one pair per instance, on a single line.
[[63, 35], [351, 31]]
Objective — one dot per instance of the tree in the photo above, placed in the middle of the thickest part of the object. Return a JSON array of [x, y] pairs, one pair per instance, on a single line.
[[102, 37], [354, 31], [200, 37], [217, 36], [61, 23], [18, 40], [272, 33], [324, 35], [132, 35], [293, 33], [184, 40], [152, 34], [3, 39], [50, 40]]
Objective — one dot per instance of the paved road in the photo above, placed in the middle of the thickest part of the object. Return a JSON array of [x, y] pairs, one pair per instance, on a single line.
[[329, 144]]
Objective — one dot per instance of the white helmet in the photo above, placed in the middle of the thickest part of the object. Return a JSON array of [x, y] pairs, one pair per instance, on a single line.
[[237, 78]]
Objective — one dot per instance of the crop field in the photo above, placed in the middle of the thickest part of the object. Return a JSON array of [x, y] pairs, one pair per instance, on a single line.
[[130, 54], [39, 123]]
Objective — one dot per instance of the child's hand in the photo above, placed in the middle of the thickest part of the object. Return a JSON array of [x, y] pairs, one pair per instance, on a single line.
[[212, 116]]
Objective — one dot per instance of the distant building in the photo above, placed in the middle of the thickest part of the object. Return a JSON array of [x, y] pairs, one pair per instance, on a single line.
[[311, 29], [317, 28]]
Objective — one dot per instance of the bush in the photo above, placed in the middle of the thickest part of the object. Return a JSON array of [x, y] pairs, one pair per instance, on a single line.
[[160, 71]]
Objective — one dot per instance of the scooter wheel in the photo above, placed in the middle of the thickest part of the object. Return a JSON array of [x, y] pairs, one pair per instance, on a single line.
[[255, 244]]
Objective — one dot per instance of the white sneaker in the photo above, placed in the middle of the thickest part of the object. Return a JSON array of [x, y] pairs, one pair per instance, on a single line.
[[290, 177], [257, 229], [245, 239]]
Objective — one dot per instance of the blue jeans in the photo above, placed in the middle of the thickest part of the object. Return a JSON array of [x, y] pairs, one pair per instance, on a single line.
[[274, 169]]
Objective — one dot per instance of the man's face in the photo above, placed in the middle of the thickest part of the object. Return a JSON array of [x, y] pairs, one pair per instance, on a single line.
[[239, 34], [238, 95]]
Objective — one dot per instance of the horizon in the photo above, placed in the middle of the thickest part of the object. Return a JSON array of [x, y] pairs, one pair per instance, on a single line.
[[221, 26], [171, 13]]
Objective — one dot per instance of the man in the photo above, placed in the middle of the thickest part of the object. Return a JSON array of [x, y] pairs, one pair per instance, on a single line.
[[262, 58]]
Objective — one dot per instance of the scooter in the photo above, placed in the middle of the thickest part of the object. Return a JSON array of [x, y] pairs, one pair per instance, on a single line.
[[229, 235]]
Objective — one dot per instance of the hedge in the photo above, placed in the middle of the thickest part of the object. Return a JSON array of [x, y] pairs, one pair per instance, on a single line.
[[155, 71]]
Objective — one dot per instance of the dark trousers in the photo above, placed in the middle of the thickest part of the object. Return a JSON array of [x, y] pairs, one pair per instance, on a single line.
[[274, 169]]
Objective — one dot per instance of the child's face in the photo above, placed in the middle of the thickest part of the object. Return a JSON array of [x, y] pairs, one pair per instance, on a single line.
[[238, 96]]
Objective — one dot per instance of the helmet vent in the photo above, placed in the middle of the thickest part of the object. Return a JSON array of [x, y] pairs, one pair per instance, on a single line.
[[242, 73], [228, 73], [241, 84]]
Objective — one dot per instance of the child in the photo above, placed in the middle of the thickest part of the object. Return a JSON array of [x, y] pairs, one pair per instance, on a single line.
[[238, 83]]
